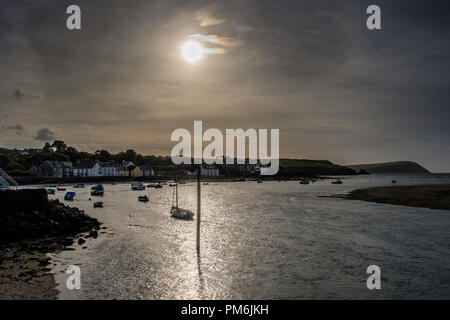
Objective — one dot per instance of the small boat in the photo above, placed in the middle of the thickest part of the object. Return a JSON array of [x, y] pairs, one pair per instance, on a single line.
[[260, 180], [305, 181], [179, 213], [172, 184], [79, 185], [183, 214], [50, 191], [138, 186], [98, 204], [70, 196], [114, 183], [97, 190], [61, 189], [206, 183], [152, 185], [182, 182], [337, 182], [393, 181], [143, 199]]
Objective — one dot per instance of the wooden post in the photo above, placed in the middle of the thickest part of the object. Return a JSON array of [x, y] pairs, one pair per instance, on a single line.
[[198, 210]]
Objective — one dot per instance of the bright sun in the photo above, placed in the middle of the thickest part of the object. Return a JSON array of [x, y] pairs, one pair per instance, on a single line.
[[192, 51]]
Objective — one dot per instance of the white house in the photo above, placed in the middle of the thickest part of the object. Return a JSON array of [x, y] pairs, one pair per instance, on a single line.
[[98, 169], [83, 170], [107, 169]]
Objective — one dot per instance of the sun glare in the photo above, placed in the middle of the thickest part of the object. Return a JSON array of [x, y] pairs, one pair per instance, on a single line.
[[192, 51]]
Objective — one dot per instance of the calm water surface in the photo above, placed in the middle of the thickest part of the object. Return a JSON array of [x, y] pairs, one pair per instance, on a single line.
[[276, 240]]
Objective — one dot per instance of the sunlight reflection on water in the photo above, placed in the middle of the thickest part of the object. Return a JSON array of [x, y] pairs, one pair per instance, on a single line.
[[275, 240]]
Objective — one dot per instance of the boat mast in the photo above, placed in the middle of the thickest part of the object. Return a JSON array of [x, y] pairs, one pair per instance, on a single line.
[[198, 210], [176, 193]]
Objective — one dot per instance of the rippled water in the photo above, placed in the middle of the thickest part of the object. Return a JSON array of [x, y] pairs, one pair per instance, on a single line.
[[276, 240]]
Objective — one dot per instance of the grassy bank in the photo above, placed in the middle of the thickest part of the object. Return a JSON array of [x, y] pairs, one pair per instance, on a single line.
[[425, 196]]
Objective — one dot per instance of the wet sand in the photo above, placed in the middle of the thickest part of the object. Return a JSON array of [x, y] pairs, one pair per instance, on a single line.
[[424, 196]]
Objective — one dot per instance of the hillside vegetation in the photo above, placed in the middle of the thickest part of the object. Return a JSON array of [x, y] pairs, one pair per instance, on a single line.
[[312, 168], [391, 167]]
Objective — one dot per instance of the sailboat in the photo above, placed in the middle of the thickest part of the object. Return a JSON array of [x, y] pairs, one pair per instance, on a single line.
[[180, 213]]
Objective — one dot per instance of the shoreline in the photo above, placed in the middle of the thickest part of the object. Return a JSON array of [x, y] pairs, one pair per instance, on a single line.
[[436, 196], [31, 226], [107, 180]]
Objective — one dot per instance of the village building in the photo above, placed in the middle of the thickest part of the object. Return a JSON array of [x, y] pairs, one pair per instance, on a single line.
[[209, 170], [147, 171], [107, 169], [124, 169], [51, 168], [83, 169]]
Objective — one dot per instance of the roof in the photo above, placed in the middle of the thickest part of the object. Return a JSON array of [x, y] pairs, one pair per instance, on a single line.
[[52, 163], [106, 164], [127, 164], [146, 168], [85, 165]]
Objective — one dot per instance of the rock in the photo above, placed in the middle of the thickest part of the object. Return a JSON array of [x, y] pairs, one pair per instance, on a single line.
[[67, 242], [81, 241], [93, 234], [44, 262]]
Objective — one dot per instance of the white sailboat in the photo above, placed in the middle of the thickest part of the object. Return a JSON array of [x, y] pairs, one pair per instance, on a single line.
[[180, 213]]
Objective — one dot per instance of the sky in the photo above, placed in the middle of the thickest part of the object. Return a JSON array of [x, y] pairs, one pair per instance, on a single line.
[[311, 69]]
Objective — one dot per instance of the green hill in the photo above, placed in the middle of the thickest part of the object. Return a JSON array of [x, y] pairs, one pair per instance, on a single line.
[[391, 167], [311, 168]]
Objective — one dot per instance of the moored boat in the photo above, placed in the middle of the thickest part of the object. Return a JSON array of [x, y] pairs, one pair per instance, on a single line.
[[50, 191], [138, 186], [337, 182], [305, 181], [97, 190], [154, 185], [70, 196], [180, 213], [98, 204]]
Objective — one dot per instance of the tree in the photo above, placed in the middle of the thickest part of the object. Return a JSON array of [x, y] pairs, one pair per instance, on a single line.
[[59, 145], [72, 153], [47, 147], [103, 156]]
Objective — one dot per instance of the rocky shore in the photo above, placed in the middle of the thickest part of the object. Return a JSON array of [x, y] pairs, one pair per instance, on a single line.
[[425, 196], [31, 226]]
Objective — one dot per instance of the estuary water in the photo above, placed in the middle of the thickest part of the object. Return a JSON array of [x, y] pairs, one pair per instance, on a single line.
[[275, 240]]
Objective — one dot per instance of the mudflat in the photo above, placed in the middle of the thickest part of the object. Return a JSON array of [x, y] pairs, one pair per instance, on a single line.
[[435, 196]]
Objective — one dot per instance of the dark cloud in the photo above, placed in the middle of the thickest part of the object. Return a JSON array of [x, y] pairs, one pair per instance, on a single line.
[[25, 95], [18, 128], [310, 68], [45, 134]]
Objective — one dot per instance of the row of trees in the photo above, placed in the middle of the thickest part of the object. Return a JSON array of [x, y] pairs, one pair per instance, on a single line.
[[18, 163]]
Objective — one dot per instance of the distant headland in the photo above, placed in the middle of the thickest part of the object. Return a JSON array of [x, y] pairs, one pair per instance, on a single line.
[[390, 167]]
